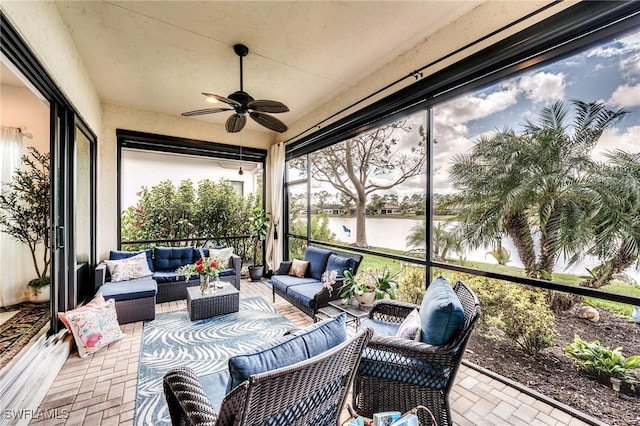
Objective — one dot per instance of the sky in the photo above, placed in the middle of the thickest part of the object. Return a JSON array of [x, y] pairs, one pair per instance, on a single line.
[[609, 73]]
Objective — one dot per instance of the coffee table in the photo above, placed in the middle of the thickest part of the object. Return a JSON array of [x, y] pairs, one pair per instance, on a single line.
[[222, 301], [335, 308]]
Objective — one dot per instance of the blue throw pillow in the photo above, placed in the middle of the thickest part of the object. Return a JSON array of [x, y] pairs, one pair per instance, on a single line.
[[317, 259], [441, 313], [297, 347], [118, 255], [340, 264]]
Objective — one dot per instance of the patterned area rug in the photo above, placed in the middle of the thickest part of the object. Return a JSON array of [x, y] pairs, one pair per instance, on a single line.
[[172, 340], [16, 332]]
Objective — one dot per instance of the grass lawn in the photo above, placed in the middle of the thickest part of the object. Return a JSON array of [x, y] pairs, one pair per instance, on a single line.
[[624, 310]]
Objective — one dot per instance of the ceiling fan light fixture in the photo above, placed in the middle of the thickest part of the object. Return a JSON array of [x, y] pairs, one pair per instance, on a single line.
[[243, 103]]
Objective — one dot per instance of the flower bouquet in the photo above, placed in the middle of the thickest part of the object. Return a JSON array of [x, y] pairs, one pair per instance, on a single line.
[[206, 268]]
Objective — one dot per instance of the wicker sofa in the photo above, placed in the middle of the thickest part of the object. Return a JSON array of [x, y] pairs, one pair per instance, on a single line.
[[308, 293], [136, 299]]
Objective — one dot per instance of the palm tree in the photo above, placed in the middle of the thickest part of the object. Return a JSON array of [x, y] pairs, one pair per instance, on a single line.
[[444, 240], [614, 231], [522, 184]]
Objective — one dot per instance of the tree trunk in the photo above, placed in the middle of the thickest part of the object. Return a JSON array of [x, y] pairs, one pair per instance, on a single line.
[[609, 268], [518, 229], [361, 224]]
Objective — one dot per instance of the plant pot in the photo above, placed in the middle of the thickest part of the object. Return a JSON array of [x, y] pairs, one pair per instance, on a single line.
[[44, 294], [256, 272], [366, 299]]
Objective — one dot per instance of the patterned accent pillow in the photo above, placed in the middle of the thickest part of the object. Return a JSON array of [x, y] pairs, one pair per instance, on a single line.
[[129, 268], [93, 329], [224, 254], [410, 327], [96, 302], [299, 268]]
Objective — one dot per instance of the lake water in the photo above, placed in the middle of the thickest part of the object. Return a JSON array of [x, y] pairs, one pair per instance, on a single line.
[[392, 233]]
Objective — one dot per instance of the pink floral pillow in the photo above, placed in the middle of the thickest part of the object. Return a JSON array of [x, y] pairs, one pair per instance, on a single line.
[[129, 268], [94, 328]]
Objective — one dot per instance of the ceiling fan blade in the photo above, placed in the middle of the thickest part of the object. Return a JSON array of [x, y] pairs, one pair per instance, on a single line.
[[204, 111], [269, 122], [235, 123], [222, 99], [264, 105]]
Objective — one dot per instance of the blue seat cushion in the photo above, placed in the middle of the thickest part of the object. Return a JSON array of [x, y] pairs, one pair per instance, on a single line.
[[340, 264], [171, 258], [215, 387], [317, 258], [304, 293], [282, 282], [441, 313], [296, 347], [170, 276], [226, 272], [128, 290], [118, 254], [383, 328]]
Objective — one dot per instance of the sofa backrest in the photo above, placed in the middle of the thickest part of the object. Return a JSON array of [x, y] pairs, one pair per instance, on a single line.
[[171, 258], [317, 258]]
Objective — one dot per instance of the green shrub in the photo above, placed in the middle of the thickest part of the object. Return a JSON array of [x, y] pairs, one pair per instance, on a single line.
[[412, 284], [520, 313], [603, 361]]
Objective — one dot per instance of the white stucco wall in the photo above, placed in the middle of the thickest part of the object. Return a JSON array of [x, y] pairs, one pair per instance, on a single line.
[[41, 27], [120, 117]]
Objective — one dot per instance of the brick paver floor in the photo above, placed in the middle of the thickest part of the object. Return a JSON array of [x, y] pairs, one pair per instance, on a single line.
[[101, 389]]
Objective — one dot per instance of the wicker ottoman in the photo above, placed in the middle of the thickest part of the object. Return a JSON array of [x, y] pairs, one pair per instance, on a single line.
[[223, 301]]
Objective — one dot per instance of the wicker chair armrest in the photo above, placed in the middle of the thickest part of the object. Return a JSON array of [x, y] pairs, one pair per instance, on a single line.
[[100, 274], [391, 310], [401, 344], [323, 297], [186, 399]]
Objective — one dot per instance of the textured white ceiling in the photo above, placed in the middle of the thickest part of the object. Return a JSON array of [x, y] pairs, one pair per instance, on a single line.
[[159, 55]]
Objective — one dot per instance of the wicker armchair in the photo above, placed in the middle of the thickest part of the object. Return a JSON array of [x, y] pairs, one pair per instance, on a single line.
[[311, 392], [400, 374]]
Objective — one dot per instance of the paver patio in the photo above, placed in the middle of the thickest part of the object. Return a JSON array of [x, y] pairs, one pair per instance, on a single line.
[[101, 389]]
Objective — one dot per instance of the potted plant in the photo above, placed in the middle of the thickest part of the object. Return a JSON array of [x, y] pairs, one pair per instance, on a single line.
[[258, 227], [25, 213], [374, 284]]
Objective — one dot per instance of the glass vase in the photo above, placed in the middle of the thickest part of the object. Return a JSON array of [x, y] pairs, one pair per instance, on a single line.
[[204, 284]]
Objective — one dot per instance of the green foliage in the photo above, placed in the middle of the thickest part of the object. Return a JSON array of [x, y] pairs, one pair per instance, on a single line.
[[258, 228], [25, 208], [520, 313], [604, 361], [412, 285], [213, 209], [319, 231], [380, 281]]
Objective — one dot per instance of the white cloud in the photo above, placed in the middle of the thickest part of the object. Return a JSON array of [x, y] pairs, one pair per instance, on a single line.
[[612, 139], [626, 96], [543, 86]]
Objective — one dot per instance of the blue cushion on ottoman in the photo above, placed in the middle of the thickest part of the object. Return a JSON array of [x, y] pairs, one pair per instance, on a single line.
[[317, 258], [127, 290], [340, 264], [441, 313], [294, 348]]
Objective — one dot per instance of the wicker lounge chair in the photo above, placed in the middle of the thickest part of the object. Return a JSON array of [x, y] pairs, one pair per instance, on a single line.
[[311, 392], [398, 374]]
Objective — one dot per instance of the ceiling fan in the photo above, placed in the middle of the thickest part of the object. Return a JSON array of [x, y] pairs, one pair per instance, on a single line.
[[244, 104]]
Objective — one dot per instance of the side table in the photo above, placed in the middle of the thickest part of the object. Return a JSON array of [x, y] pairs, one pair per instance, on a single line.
[[222, 301], [335, 308]]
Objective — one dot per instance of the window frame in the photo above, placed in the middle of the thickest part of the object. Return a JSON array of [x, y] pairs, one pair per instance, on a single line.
[[576, 28]]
